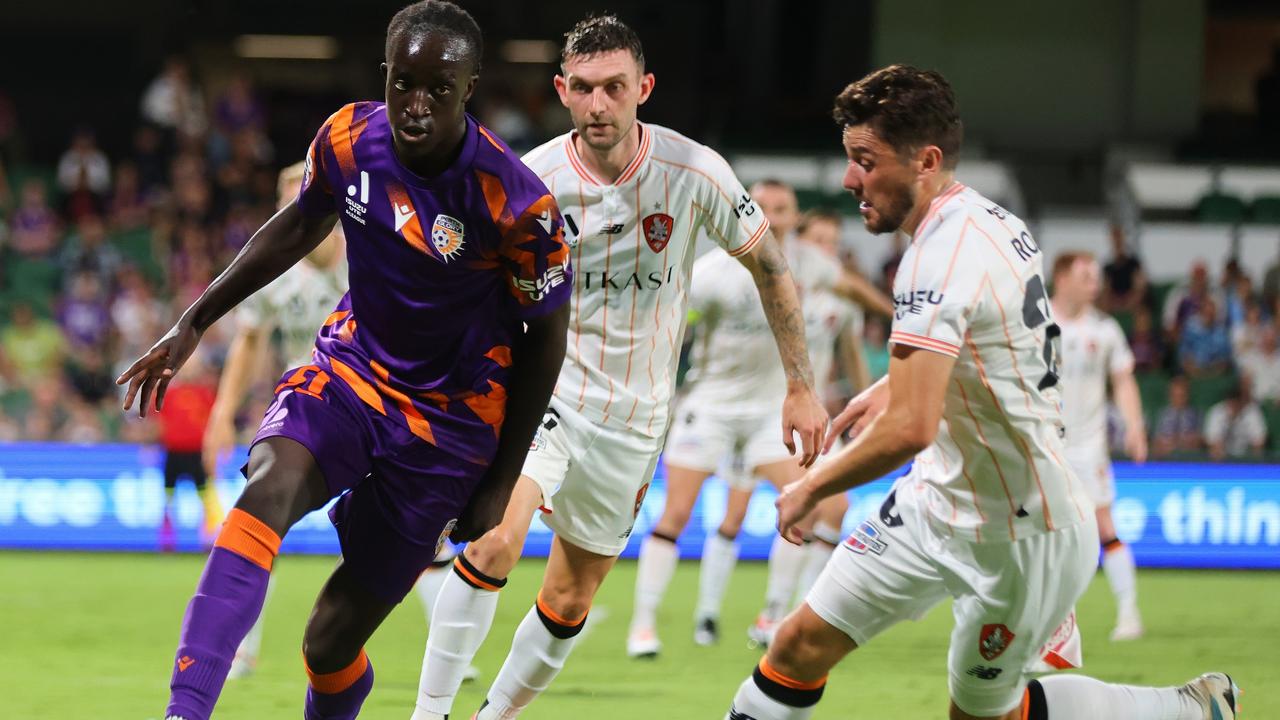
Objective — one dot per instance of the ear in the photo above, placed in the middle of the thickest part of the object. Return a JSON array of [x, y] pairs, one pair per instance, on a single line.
[[471, 88], [383, 68], [647, 82], [562, 89], [930, 159]]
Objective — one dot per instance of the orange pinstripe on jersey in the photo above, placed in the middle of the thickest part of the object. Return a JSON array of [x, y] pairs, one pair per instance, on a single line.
[[344, 131], [982, 435], [936, 205], [489, 137]]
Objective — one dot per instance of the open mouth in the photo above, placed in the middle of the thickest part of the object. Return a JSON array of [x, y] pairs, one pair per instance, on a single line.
[[864, 208], [413, 133]]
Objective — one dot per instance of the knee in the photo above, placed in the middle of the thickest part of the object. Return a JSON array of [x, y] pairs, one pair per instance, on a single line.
[[674, 519], [565, 604], [795, 650], [729, 528], [324, 649], [496, 552]]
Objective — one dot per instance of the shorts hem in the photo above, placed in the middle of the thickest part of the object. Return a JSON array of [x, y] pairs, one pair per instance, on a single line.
[[577, 541], [991, 710], [688, 464], [282, 432], [835, 621]]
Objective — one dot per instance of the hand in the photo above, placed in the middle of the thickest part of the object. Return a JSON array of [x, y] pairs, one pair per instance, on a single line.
[[154, 371], [1135, 444], [483, 513], [859, 413], [219, 439], [794, 504], [802, 413]]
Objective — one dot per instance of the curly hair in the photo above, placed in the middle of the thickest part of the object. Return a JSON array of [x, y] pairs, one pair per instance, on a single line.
[[597, 34], [437, 16], [907, 107]]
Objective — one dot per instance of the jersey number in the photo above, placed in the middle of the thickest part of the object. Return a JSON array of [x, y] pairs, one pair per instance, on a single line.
[[1034, 317]]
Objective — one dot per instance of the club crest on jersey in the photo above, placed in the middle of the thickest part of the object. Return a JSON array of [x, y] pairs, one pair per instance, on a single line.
[[993, 641], [866, 537], [446, 236], [657, 231]]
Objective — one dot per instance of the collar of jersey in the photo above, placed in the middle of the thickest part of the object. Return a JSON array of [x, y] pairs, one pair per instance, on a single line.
[[470, 144], [629, 172], [936, 205]]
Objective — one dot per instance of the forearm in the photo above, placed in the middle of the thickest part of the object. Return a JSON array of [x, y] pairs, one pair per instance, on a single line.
[[882, 448], [781, 305], [1129, 402], [234, 383], [276, 247], [855, 361], [536, 361], [853, 286]]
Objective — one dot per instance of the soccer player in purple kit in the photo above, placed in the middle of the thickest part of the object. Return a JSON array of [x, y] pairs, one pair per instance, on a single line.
[[427, 381]]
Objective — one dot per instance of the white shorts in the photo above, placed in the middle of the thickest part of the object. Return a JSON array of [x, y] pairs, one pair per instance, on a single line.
[[1092, 464], [593, 478], [1010, 597], [703, 437]]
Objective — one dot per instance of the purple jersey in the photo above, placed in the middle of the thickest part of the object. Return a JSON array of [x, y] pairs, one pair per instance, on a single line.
[[442, 272]]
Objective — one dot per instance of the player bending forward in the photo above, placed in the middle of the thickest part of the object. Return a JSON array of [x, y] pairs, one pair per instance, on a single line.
[[634, 198], [427, 381], [1093, 350], [990, 514]]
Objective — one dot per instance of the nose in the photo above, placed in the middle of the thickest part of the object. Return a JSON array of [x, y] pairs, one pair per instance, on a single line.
[[417, 106], [853, 178], [597, 100]]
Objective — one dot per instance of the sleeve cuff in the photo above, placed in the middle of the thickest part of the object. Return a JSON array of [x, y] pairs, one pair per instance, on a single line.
[[924, 343]]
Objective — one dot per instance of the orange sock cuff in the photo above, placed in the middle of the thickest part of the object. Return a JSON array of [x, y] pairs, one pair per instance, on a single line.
[[335, 682], [1112, 545], [769, 672], [250, 538], [555, 617]]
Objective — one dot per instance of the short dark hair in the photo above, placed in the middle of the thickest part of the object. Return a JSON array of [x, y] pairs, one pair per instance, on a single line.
[[1067, 260], [597, 34], [907, 107], [437, 16]]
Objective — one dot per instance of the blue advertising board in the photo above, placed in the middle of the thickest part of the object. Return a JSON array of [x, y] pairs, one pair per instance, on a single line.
[[111, 497]]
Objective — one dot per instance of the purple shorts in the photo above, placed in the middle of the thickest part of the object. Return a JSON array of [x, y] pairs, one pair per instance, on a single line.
[[400, 495]]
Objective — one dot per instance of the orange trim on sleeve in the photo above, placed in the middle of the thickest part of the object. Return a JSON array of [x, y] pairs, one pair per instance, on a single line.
[[767, 670], [500, 354], [925, 343], [335, 682], [489, 137], [764, 228], [336, 317], [477, 581], [362, 387], [250, 538], [556, 617]]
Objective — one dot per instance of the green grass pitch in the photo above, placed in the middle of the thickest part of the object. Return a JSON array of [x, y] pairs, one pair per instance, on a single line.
[[92, 636]]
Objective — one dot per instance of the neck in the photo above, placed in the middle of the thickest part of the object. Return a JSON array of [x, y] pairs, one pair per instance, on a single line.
[[932, 188], [428, 166], [609, 164], [1068, 310]]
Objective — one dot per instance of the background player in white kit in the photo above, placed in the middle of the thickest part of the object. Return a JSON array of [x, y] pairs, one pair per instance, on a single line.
[[989, 514], [737, 388], [634, 198], [1094, 350]]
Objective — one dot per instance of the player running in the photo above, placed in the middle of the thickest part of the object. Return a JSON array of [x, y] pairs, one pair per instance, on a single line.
[[737, 387], [423, 393], [635, 196], [1093, 350], [990, 514]]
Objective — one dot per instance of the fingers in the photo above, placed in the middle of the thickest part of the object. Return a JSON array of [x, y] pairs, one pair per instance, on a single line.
[[166, 378], [787, 439], [134, 384], [810, 448], [145, 394]]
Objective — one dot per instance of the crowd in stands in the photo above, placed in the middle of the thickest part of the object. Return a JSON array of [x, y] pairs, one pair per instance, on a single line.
[[99, 254]]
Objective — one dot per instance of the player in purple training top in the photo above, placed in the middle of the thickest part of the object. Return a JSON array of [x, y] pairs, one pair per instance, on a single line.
[[427, 380]]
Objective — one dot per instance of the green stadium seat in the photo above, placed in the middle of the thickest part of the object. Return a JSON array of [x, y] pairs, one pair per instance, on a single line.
[[20, 174], [1265, 209], [32, 281], [1160, 293], [1208, 391], [1219, 208], [1125, 319], [1271, 411], [810, 199], [1153, 388], [135, 245]]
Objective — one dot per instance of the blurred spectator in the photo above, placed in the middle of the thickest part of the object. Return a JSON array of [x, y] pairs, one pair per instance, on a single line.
[[187, 405], [10, 431], [1245, 334], [1185, 300], [138, 316], [1261, 365], [173, 103], [1239, 296], [238, 108], [91, 378], [1205, 348], [877, 347], [1235, 427], [84, 174], [1147, 347], [83, 425], [83, 315], [1126, 283], [149, 158], [1178, 424], [127, 209], [190, 265], [6, 192], [498, 113], [1271, 284], [47, 411], [34, 229], [34, 346], [88, 251]]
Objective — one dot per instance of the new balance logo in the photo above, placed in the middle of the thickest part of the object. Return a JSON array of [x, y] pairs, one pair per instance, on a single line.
[[185, 662], [735, 715], [982, 672]]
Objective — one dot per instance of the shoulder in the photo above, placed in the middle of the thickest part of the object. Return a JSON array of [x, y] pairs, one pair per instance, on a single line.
[[520, 183], [681, 153], [352, 118], [547, 157]]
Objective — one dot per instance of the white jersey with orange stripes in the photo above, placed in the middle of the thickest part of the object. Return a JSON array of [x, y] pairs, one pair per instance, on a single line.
[[1093, 349], [971, 285], [633, 250]]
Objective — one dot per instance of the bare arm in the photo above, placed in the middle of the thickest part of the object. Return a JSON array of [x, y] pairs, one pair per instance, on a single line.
[[1125, 390], [853, 360], [858, 289]]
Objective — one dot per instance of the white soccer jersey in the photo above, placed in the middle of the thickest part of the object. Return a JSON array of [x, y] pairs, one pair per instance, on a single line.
[[1093, 349], [298, 303], [971, 285], [633, 249], [827, 315], [735, 362]]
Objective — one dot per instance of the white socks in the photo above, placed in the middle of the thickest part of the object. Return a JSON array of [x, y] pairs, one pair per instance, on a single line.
[[428, 588], [658, 558], [1076, 697], [538, 651], [719, 556], [1118, 565], [786, 561], [460, 621]]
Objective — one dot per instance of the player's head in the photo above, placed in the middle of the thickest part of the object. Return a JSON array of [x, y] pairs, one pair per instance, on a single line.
[[602, 80], [330, 250], [901, 130], [432, 64], [821, 227], [1076, 278], [778, 201]]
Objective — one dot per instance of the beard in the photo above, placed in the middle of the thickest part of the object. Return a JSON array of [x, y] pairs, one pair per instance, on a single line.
[[893, 211]]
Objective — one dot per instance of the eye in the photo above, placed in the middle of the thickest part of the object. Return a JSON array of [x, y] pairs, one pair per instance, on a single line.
[[615, 87], [400, 85], [442, 90]]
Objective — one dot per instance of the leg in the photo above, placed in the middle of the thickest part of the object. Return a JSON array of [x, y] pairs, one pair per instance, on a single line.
[[284, 485], [468, 600], [719, 557], [786, 562], [338, 670], [790, 679], [1212, 696], [659, 555], [1122, 576], [548, 632]]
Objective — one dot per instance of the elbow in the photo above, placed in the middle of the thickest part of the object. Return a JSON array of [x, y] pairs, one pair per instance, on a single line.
[[914, 434]]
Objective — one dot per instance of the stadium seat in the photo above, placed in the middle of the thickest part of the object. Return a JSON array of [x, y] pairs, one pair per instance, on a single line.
[[1265, 209], [1271, 412], [1220, 208], [1125, 319], [1153, 388], [1205, 392], [1167, 186]]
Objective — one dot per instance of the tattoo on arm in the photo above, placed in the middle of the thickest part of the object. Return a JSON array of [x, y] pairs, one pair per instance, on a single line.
[[781, 303]]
